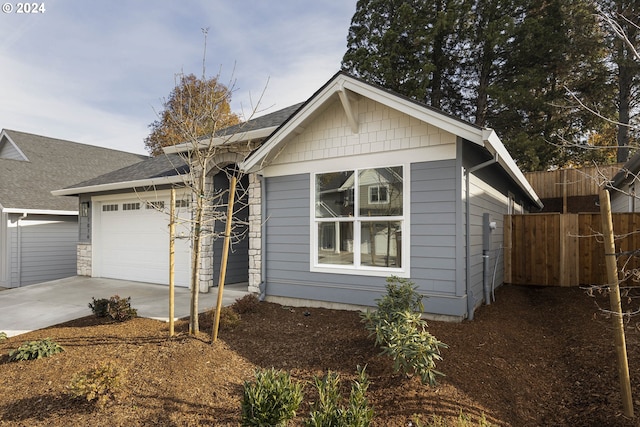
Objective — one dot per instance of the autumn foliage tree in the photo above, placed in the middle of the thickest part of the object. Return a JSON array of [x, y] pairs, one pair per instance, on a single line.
[[191, 100]]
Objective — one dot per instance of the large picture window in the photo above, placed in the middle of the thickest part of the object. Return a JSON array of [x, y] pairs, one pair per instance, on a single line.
[[359, 218]]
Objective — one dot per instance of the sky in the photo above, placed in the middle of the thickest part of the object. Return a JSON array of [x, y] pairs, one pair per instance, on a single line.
[[97, 71]]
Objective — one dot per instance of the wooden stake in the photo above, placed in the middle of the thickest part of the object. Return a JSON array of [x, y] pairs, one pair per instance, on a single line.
[[172, 259], [614, 299], [225, 256]]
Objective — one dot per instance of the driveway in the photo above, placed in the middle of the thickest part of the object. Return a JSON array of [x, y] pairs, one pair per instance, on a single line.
[[39, 306]]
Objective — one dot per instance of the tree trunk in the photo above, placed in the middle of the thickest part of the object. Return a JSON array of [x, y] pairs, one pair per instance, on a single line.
[[198, 226]]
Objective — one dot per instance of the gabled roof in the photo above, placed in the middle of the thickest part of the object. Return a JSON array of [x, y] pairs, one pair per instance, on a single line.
[[32, 166], [344, 87]]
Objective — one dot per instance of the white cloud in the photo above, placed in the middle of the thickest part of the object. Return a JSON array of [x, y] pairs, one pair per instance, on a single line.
[[94, 72]]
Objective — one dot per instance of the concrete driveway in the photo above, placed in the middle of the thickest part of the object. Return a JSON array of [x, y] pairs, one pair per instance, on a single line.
[[39, 306]]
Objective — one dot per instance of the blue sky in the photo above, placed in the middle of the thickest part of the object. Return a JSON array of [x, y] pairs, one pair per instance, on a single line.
[[97, 71]]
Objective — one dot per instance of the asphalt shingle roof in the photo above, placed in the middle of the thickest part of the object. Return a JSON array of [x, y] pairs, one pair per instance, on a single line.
[[174, 164], [155, 167], [53, 164]]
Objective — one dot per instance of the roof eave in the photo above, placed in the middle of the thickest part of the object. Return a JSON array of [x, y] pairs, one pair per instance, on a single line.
[[493, 144], [165, 180], [208, 142], [38, 211]]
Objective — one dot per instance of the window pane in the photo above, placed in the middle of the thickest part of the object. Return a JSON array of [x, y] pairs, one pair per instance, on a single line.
[[380, 191], [334, 194], [381, 244], [335, 243]]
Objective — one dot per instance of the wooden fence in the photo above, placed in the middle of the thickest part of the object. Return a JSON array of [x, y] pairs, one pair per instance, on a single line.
[[566, 249], [585, 181]]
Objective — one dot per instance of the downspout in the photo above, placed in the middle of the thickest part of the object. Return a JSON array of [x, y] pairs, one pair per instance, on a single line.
[[470, 299], [19, 247], [263, 238]]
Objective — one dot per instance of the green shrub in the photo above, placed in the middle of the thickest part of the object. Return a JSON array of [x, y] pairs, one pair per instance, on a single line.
[[402, 333], [327, 411], [271, 400], [35, 350], [99, 307], [3, 336], [118, 309], [99, 384], [247, 304]]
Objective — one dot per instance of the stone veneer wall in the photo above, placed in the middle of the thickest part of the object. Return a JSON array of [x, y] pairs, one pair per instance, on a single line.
[[83, 251], [255, 233]]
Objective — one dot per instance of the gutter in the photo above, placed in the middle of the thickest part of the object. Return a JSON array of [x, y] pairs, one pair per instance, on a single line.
[[174, 179], [467, 173]]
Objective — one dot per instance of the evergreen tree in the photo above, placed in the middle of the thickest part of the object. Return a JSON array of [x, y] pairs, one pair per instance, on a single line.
[[621, 21], [408, 46], [557, 47]]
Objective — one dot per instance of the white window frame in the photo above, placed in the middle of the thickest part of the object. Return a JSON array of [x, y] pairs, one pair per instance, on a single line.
[[378, 187], [356, 268]]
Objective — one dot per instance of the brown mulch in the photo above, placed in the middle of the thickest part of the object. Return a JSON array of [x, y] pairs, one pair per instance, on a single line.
[[535, 357]]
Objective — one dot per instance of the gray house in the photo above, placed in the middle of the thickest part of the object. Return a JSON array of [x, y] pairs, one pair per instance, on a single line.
[[360, 184], [39, 232], [346, 189]]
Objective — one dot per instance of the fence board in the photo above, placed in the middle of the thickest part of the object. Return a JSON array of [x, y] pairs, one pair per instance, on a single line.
[[566, 249], [585, 181]]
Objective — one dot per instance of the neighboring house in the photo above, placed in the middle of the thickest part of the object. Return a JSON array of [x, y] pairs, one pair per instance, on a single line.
[[39, 232], [625, 186], [351, 187]]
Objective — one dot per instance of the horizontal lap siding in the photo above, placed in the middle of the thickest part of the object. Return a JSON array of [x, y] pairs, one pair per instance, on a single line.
[[433, 228], [288, 251], [433, 243]]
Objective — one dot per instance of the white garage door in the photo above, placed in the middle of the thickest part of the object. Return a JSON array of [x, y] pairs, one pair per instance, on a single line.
[[131, 240]]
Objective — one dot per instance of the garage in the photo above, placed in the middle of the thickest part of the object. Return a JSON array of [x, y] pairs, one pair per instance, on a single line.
[[131, 238]]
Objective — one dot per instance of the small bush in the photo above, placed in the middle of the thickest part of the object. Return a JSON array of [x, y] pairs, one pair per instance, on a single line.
[[3, 336], [35, 350], [246, 304], [99, 384], [327, 411], [99, 307], [118, 309], [229, 319], [271, 400], [401, 332]]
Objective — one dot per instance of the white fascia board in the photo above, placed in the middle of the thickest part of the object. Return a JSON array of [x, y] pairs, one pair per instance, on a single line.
[[342, 82], [175, 179], [38, 211], [236, 137], [495, 146]]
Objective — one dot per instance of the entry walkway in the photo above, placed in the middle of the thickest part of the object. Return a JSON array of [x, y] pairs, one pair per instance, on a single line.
[[38, 306]]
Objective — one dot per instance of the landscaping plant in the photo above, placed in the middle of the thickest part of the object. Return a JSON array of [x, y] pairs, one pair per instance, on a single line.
[[401, 332], [3, 336], [271, 400], [327, 411], [246, 304], [35, 350], [118, 309], [99, 384]]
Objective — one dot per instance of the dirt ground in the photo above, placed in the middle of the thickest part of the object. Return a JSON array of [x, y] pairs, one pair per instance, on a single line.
[[535, 357]]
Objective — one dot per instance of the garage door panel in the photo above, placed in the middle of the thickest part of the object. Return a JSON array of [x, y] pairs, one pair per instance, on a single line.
[[134, 245]]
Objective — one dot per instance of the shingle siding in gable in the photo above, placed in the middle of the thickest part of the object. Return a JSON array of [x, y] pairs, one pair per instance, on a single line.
[[381, 129]]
